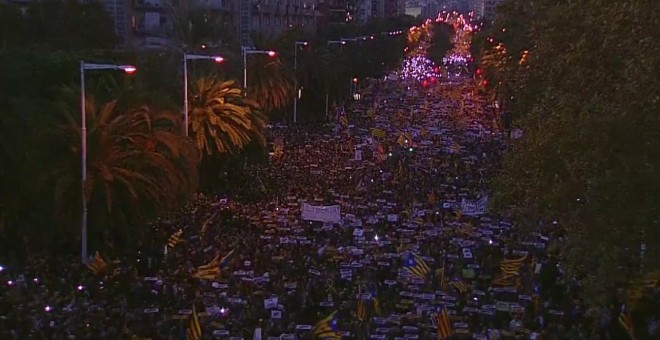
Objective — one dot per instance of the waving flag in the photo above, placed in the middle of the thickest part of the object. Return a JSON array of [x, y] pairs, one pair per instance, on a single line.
[[327, 328], [194, 331], [444, 325], [361, 308], [416, 266], [512, 266], [98, 265], [175, 239]]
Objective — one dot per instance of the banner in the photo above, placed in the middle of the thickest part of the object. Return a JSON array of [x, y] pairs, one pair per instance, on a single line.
[[475, 208], [330, 213]]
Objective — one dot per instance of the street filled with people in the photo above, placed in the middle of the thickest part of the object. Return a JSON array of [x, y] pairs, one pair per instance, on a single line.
[[377, 226]]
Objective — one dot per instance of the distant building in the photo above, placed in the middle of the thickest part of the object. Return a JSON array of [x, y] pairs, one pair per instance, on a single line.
[[154, 24], [486, 8]]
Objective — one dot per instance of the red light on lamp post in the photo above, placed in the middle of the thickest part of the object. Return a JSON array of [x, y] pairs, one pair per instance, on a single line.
[[485, 83], [272, 54], [129, 69], [479, 72], [218, 59], [355, 80]]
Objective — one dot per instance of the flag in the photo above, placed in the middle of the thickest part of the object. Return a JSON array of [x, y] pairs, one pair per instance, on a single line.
[[226, 260], [432, 198], [404, 139], [444, 325], [361, 308], [382, 156], [416, 266], [467, 230], [97, 264], [461, 287], [278, 147], [374, 296], [625, 319], [194, 331], [511, 267], [175, 239], [379, 133], [507, 281], [210, 270], [327, 328], [343, 120]]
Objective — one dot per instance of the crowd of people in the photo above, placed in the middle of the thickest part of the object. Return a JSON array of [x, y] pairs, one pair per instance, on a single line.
[[410, 183]]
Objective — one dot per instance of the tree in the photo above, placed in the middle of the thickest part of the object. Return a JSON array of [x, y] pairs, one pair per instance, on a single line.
[[590, 155], [270, 83], [441, 42], [139, 166], [222, 119], [56, 25]]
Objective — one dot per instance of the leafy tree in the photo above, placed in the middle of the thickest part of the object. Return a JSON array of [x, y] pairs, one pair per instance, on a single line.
[[270, 83], [139, 165], [222, 119], [589, 155], [441, 42]]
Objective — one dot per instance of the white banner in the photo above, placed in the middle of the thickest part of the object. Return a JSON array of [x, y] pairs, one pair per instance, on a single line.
[[475, 208], [330, 213]]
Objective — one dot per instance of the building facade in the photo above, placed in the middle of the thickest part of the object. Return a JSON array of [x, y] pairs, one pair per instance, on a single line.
[[156, 23]]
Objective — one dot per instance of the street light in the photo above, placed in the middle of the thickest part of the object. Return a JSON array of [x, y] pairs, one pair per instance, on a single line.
[[186, 57], [247, 51], [341, 42], [295, 79], [129, 69]]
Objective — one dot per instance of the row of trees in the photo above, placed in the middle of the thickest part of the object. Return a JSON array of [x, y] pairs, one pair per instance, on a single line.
[[140, 164], [579, 80]]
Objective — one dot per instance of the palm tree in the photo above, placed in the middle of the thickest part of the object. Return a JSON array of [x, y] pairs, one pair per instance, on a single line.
[[222, 119], [138, 165], [270, 83]]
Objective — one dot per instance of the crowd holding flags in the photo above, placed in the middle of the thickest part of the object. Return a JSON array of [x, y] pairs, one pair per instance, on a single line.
[[327, 328], [416, 266], [194, 331]]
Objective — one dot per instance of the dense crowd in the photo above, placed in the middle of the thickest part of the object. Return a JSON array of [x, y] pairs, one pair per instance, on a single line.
[[399, 194]]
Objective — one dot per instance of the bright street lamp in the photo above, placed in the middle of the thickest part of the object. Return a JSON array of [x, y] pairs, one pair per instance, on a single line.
[[336, 42], [295, 79], [246, 51], [186, 57], [129, 69]]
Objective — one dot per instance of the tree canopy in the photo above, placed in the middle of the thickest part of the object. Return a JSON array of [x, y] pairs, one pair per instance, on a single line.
[[579, 78]]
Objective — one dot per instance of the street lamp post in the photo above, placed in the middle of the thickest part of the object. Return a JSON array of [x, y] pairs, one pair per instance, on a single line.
[[295, 79], [187, 57], [83, 140], [341, 42], [247, 51]]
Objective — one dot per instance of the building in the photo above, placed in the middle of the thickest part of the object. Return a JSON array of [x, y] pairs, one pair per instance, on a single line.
[[363, 11], [154, 22], [486, 8], [393, 8]]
